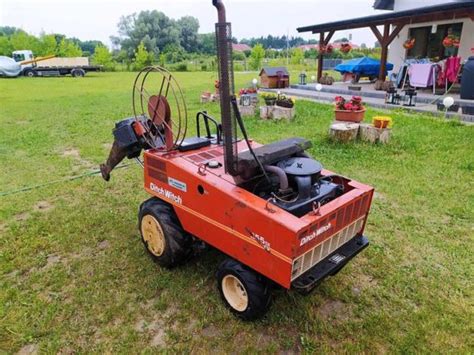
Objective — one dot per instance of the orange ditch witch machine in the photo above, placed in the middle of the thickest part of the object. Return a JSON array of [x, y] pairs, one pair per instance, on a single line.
[[274, 211]]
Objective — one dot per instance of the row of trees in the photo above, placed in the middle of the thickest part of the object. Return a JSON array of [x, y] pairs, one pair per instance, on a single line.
[[152, 37]]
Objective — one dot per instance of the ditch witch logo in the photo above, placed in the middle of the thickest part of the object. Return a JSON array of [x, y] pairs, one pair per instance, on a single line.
[[316, 233], [165, 193]]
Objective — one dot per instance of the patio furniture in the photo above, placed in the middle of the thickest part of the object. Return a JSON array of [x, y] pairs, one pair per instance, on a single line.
[[361, 67]]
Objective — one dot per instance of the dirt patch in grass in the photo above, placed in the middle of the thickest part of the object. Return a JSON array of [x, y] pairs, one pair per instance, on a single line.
[[23, 216], [105, 244], [76, 155], [43, 206], [335, 310], [71, 152], [52, 260], [29, 349], [211, 331]]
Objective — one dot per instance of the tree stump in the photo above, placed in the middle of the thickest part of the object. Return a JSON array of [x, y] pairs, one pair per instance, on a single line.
[[344, 131], [277, 112], [247, 110], [369, 133]]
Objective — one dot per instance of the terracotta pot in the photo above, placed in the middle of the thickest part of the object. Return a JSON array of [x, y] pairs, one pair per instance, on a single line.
[[380, 123], [349, 116]]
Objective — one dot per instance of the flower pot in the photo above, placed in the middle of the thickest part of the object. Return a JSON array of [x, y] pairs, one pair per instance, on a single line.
[[270, 101], [380, 123], [284, 104], [349, 116]]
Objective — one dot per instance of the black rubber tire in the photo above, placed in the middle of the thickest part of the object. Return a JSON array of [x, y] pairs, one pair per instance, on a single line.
[[178, 246], [29, 73], [257, 287], [78, 73]]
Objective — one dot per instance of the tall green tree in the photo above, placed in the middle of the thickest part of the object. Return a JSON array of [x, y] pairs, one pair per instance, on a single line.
[[256, 56], [297, 56], [142, 57], [68, 48], [188, 27], [47, 46], [102, 56], [6, 48]]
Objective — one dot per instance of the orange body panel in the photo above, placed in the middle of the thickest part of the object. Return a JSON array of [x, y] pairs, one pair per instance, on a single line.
[[259, 234]]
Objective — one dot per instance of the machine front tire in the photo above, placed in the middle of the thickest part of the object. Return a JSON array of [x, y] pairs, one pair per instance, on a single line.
[[246, 293], [162, 234]]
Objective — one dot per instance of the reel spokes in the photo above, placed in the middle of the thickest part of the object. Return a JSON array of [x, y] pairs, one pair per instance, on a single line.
[[158, 104]]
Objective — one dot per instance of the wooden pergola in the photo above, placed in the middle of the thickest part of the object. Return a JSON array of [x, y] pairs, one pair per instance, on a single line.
[[391, 23]]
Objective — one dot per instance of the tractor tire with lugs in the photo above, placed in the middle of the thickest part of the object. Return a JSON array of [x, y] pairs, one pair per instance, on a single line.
[[246, 293], [162, 234]]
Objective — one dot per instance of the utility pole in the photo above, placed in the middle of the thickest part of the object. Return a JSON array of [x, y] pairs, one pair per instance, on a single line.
[[287, 47]]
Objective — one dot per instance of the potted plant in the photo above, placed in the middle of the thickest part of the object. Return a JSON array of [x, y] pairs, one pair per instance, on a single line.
[[451, 41], [270, 98], [382, 122], [409, 43], [352, 111], [346, 47], [284, 101]]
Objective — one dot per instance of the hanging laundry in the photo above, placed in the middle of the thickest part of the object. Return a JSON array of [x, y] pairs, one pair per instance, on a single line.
[[421, 75]]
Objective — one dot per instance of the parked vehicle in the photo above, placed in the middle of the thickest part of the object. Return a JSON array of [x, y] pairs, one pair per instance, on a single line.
[[52, 66], [9, 68]]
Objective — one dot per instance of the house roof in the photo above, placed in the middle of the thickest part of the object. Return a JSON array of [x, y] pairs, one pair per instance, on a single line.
[[240, 47], [423, 14], [273, 71]]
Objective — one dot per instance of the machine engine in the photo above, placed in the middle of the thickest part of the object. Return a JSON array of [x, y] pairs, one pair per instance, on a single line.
[[299, 186]]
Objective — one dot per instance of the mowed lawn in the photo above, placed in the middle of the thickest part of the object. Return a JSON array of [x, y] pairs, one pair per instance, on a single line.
[[75, 276]]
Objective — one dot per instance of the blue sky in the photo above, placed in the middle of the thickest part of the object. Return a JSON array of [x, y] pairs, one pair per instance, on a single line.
[[88, 19]]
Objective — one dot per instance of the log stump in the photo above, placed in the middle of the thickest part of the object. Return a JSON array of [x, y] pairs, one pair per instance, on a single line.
[[369, 133], [246, 111], [344, 132], [277, 112]]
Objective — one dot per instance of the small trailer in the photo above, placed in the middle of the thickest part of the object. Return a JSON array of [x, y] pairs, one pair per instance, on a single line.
[[52, 66]]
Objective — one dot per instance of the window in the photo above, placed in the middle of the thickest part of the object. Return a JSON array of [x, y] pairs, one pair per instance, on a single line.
[[19, 57], [429, 45]]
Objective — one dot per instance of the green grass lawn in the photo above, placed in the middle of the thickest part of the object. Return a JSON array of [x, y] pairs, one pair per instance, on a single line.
[[75, 276]]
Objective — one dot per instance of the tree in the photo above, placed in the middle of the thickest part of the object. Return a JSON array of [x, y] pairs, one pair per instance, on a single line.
[[6, 48], [22, 40], [297, 56], [256, 56], [142, 57], [102, 56], [156, 30], [207, 43], [48, 45], [68, 48], [189, 27]]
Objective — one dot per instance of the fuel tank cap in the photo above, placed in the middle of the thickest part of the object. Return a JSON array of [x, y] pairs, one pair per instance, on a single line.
[[300, 166]]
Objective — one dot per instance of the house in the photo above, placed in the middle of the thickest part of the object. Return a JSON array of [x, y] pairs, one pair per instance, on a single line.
[[429, 35], [240, 47], [335, 45], [274, 78], [429, 22]]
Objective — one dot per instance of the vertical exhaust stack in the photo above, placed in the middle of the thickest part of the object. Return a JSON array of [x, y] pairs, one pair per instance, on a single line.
[[226, 89]]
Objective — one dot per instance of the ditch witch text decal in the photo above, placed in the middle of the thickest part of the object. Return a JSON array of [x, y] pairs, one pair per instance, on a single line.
[[166, 193]]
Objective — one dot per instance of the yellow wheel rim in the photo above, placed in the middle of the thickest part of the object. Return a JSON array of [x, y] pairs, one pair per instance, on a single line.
[[235, 293], [153, 235]]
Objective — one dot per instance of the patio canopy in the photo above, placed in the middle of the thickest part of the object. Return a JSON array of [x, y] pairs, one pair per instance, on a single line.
[[392, 23]]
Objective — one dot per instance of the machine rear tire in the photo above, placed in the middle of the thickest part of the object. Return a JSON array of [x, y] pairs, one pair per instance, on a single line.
[[246, 293], [162, 234]]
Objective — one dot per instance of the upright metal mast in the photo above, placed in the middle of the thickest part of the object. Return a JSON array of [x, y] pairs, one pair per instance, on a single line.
[[226, 89]]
